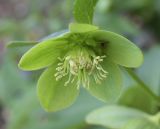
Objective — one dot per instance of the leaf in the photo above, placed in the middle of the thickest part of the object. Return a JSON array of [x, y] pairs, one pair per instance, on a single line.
[[150, 70], [142, 99], [81, 28], [114, 116], [119, 49], [110, 88], [43, 54], [141, 124], [14, 44], [53, 95], [83, 10]]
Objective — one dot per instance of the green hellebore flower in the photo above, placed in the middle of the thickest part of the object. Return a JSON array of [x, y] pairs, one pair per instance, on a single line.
[[84, 56]]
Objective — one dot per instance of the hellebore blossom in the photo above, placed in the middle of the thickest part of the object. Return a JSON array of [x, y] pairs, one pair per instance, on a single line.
[[85, 56]]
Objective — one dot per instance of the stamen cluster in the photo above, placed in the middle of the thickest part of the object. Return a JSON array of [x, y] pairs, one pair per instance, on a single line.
[[81, 65]]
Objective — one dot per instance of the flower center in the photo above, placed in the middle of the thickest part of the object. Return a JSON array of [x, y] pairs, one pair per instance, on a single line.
[[81, 65]]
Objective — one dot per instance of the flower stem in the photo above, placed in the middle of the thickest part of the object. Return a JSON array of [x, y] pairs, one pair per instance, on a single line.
[[143, 85]]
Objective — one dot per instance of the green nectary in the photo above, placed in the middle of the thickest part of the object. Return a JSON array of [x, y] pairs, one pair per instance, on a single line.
[[84, 56]]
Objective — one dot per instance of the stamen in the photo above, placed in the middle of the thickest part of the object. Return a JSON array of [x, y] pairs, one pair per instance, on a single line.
[[60, 64], [73, 79], [61, 59], [99, 76], [96, 79], [81, 66], [69, 79]]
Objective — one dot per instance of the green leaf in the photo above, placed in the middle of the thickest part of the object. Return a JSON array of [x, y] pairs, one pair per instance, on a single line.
[[53, 95], [81, 28], [110, 88], [114, 116], [142, 99], [43, 54], [14, 44], [150, 70], [84, 10], [141, 124], [119, 49]]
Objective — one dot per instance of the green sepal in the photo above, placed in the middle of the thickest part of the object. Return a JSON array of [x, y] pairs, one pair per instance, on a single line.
[[81, 28], [43, 54], [110, 88], [53, 95], [119, 49]]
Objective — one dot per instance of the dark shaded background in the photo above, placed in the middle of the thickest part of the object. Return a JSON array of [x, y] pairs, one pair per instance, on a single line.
[[138, 20]]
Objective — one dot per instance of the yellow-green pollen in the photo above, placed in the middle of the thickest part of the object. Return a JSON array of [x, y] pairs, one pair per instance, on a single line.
[[81, 65]]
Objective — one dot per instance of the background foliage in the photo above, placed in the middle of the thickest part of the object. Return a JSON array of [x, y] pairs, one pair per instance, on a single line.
[[32, 20]]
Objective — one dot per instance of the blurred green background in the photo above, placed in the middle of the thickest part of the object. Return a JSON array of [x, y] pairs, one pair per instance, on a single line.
[[138, 20]]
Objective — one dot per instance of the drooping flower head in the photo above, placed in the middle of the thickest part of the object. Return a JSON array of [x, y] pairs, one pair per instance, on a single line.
[[84, 56]]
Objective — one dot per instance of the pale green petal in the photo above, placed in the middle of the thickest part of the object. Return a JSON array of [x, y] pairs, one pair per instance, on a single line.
[[43, 54], [119, 49], [110, 88], [53, 95], [81, 28]]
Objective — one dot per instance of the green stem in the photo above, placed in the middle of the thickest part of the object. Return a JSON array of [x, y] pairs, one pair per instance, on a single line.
[[143, 85]]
